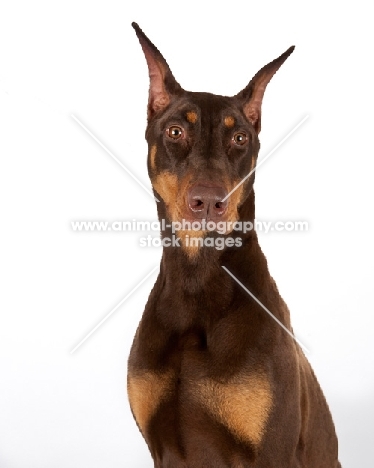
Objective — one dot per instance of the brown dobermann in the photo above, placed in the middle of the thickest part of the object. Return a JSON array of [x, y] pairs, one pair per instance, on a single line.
[[213, 380]]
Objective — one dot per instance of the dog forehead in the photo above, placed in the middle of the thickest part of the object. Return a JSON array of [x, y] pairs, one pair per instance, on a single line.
[[204, 108], [204, 100], [213, 106]]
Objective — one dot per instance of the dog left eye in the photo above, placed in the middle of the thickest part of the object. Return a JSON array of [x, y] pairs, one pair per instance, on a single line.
[[240, 138], [175, 132]]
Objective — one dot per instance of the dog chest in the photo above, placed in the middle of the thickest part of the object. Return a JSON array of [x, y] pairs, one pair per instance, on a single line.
[[241, 404]]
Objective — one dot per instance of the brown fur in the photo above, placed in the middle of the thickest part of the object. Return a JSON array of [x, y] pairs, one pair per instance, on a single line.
[[213, 381]]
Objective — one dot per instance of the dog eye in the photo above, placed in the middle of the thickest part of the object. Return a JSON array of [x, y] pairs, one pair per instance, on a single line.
[[240, 138], [175, 132]]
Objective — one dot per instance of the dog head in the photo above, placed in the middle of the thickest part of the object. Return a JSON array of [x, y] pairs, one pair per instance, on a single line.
[[201, 145]]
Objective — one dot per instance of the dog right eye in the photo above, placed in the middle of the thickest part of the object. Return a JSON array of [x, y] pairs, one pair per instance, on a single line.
[[240, 138], [175, 132]]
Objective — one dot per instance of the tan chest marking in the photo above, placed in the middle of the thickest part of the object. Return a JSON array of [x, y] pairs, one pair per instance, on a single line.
[[243, 404], [146, 391]]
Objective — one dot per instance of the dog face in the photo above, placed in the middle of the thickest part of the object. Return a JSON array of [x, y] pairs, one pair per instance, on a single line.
[[201, 145]]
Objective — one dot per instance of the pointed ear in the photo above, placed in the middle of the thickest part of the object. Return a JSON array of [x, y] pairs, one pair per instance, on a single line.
[[251, 96], [162, 82]]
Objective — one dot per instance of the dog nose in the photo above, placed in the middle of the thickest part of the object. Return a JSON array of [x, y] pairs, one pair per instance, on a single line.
[[206, 202]]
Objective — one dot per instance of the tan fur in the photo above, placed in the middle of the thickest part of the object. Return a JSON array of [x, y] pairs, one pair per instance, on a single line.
[[253, 163], [166, 184], [145, 392], [168, 187], [243, 404], [234, 201], [173, 191], [152, 156], [191, 117], [189, 245], [229, 121]]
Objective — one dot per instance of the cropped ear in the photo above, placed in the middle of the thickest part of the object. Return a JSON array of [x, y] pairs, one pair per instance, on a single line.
[[252, 95], [162, 82]]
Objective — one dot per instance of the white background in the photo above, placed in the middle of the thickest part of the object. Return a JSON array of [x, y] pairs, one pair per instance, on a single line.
[[57, 58]]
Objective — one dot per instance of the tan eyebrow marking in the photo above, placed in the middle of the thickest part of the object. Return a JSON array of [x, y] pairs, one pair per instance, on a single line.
[[192, 117], [229, 121]]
